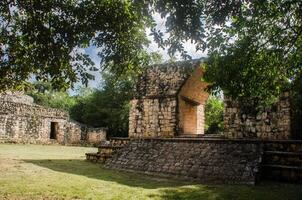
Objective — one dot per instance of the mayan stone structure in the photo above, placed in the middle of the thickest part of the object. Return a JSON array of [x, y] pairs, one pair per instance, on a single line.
[[169, 101], [271, 122], [22, 121], [215, 161]]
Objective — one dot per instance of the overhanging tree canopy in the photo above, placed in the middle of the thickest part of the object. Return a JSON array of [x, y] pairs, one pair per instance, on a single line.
[[43, 38], [254, 46]]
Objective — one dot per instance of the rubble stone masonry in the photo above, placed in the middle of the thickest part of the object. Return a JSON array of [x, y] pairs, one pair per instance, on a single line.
[[272, 122], [155, 109], [216, 161], [22, 121]]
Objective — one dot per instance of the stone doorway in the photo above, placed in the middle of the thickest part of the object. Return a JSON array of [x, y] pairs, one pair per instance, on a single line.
[[54, 130], [192, 98]]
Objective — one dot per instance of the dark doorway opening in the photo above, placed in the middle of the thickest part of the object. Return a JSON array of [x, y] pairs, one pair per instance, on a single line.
[[53, 130]]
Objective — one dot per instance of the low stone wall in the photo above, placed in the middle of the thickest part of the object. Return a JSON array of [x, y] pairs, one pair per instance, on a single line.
[[272, 122], [96, 135], [216, 161]]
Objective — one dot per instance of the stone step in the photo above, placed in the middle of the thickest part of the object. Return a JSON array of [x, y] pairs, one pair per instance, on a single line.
[[282, 161], [93, 157], [283, 145], [97, 157], [106, 149], [110, 146], [288, 153], [288, 167], [200, 136], [282, 173], [119, 140], [189, 135], [282, 158]]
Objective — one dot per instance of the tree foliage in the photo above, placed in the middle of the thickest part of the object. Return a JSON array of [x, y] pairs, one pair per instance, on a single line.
[[107, 106], [43, 38], [254, 47], [45, 95], [213, 115], [265, 52]]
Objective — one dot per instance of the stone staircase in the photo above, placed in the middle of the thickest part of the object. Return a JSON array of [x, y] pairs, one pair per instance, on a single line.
[[106, 149], [282, 161]]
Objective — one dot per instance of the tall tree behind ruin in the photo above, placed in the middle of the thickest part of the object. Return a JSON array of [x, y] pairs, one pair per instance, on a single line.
[[254, 47]]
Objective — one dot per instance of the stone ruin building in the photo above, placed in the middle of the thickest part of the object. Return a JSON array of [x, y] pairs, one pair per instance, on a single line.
[[166, 113], [22, 121], [170, 102]]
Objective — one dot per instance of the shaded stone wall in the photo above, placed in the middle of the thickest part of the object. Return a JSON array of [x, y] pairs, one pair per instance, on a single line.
[[155, 109], [153, 117], [25, 122], [272, 122], [76, 133], [216, 161]]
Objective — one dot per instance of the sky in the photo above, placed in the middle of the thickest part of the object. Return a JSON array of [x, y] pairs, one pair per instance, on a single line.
[[92, 51]]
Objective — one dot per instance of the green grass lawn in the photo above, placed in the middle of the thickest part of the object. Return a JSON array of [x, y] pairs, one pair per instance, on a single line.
[[60, 172]]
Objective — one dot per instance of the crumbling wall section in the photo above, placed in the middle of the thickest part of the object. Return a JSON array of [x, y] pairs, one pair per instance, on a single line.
[[21, 121], [271, 122]]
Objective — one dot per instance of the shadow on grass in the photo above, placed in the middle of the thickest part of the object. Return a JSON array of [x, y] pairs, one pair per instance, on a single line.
[[171, 188], [96, 171], [264, 191]]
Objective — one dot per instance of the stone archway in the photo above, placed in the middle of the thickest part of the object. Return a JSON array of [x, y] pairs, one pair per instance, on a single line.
[[191, 101]]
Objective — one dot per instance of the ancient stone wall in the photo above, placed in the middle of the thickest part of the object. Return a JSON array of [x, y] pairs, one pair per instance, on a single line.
[[25, 123], [155, 110], [21, 121], [153, 117], [216, 161], [272, 122]]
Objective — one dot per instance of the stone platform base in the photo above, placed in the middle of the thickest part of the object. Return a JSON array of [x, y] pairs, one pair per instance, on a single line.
[[282, 161], [107, 149], [204, 160]]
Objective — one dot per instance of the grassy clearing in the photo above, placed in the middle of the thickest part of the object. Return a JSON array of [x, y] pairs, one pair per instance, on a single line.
[[58, 172]]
